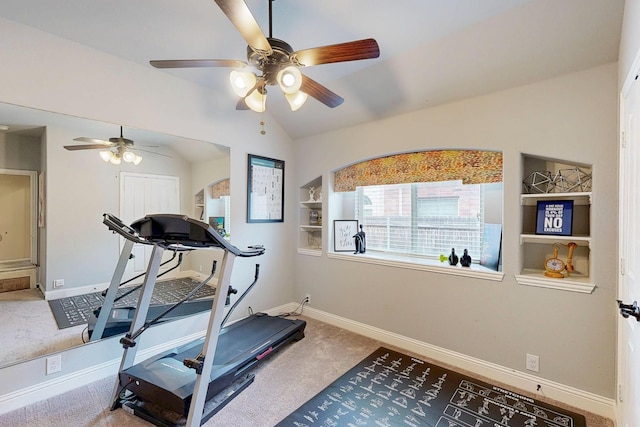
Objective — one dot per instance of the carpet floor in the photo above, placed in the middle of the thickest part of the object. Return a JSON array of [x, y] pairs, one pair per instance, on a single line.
[[284, 382]]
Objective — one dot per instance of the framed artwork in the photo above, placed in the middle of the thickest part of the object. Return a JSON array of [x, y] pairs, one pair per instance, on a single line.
[[343, 232], [554, 217], [265, 189]]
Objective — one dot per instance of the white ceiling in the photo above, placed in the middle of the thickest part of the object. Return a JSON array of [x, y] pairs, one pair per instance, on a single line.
[[432, 51]]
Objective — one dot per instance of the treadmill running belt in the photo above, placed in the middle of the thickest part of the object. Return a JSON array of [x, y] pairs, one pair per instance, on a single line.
[[165, 381]]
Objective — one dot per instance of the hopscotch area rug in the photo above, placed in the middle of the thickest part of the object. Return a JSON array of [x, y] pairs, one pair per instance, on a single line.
[[391, 389]]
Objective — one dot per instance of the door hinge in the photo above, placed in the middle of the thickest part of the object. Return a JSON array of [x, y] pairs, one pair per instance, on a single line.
[[620, 395], [622, 266], [623, 140]]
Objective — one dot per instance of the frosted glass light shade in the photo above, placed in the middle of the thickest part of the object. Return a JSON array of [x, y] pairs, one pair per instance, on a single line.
[[242, 82], [116, 159], [106, 155], [256, 101], [137, 159], [128, 156], [296, 100], [290, 79]]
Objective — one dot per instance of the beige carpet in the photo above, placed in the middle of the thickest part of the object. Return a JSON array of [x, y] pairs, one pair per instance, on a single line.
[[289, 378], [28, 328]]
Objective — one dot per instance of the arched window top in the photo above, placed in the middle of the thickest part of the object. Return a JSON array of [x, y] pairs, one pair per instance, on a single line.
[[220, 188], [470, 166]]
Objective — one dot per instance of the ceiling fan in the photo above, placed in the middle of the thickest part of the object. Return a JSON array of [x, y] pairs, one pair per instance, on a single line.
[[114, 150], [277, 62]]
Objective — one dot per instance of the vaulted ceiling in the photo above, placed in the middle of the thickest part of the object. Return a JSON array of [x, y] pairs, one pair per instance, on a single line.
[[432, 51]]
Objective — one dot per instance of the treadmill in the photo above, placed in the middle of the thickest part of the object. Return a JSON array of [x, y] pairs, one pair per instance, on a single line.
[[184, 386]]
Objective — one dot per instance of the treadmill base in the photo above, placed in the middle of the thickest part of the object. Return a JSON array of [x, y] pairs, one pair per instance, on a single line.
[[165, 418]]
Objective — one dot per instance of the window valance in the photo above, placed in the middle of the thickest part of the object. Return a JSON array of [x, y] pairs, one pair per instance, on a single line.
[[220, 188], [470, 166]]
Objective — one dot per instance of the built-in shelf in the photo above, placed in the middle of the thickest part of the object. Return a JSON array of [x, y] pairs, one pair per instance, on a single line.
[[310, 218], [536, 248]]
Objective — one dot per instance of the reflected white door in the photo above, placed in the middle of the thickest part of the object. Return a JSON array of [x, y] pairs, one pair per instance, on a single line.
[[629, 276], [143, 194]]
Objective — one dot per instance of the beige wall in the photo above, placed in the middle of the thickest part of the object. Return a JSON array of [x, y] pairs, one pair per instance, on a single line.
[[571, 117]]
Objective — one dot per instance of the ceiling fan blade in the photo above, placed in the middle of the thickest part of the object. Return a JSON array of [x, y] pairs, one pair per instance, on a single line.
[[341, 52], [88, 147], [241, 17], [94, 141], [319, 92], [194, 63], [241, 105], [149, 151]]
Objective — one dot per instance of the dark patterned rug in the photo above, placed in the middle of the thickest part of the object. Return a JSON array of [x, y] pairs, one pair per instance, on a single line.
[[76, 310], [389, 389]]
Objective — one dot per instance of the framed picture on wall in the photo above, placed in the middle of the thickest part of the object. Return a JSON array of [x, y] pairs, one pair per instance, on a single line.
[[554, 217], [343, 232], [265, 189]]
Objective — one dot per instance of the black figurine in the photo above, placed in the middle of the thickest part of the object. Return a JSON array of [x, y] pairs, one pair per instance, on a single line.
[[361, 241], [465, 261], [453, 258]]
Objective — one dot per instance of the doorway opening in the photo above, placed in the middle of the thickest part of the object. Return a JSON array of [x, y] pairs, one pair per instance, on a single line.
[[18, 229]]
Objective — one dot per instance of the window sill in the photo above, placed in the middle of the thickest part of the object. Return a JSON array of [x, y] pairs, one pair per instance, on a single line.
[[476, 271]]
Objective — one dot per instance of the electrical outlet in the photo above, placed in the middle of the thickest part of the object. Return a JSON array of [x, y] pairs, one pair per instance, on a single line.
[[533, 363], [58, 283], [54, 364], [308, 298]]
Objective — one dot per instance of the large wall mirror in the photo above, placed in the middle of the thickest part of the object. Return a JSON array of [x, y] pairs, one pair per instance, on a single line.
[[53, 242]]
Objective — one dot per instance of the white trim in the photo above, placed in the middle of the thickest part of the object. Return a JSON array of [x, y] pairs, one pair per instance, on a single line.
[[33, 214], [65, 383], [476, 271], [99, 287], [569, 395]]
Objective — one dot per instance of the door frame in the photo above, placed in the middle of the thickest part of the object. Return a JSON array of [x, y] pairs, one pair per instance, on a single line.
[[623, 380], [33, 215]]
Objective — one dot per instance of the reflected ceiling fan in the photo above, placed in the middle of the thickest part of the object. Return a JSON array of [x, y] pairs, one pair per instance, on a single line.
[[277, 62], [114, 150]]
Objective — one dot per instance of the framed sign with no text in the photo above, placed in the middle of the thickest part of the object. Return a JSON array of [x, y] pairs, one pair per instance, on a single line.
[[265, 189], [554, 217]]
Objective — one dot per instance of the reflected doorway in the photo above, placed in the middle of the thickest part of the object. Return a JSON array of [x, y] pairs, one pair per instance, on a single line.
[[18, 236]]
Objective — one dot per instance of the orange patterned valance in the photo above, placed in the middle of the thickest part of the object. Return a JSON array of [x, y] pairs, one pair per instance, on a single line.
[[470, 166], [220, 188]]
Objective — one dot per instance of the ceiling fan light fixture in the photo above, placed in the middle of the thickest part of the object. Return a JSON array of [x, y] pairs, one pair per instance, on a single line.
[[106, 155], [128, 156], [242, 82], [137, 159], [296, 100], [257, 101], [116, 159], [290, 79]]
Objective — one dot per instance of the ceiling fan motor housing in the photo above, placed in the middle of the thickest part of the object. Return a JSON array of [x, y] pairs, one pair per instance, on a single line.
[[270, 64]]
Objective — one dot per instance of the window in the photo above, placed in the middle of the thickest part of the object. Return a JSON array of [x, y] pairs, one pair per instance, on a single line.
[[423, 219]]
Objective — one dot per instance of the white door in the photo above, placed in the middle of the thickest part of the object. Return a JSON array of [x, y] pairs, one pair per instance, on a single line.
[[629, 276], [143, 194]]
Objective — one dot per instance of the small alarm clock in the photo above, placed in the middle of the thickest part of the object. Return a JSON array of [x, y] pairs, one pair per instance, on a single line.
[[554, 266]]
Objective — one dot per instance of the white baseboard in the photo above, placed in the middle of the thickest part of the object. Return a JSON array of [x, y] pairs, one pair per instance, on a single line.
[[62, 384], [587, 401], [99, 287], [591, 402]]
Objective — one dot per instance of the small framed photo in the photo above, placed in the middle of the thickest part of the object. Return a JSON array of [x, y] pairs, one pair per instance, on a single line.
[[343, 232], [554, 217]]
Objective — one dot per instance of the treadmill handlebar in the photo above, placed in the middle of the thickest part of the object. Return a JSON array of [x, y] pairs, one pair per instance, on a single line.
[[172, 230], [117, 226]]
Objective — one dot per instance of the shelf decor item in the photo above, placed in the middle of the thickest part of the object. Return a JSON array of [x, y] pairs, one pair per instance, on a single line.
[[554, 217], [343, 232]]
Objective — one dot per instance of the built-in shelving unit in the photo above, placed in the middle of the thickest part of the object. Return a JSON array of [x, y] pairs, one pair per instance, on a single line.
[[537, 248], [310, 218]]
